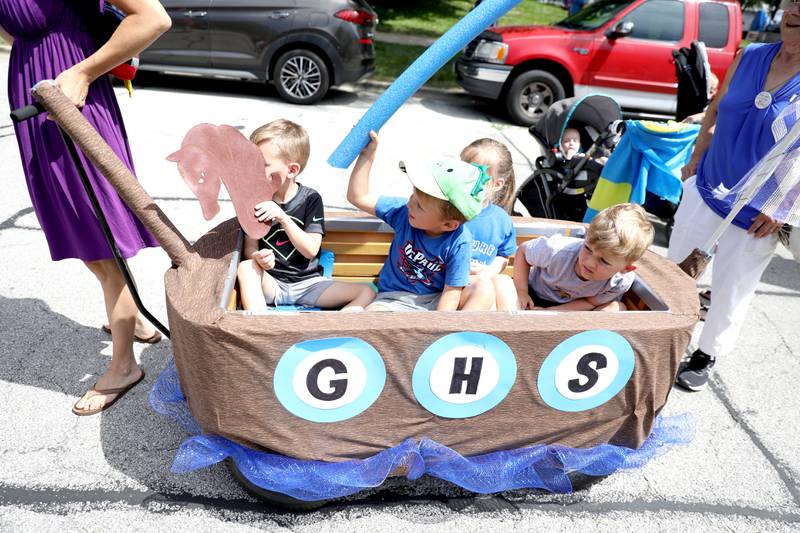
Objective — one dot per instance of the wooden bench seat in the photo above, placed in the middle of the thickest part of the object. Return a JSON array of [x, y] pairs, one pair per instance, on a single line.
[[360, 245], [361, 254]]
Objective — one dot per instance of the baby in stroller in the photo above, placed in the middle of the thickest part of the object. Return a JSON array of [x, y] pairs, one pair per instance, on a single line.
[[571, 147], [577, 134]]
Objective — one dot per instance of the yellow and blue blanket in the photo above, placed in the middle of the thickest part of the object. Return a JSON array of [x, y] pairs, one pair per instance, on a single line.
[[648, 158]]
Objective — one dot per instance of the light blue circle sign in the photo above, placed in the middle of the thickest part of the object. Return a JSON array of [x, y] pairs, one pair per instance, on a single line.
[[586, 370], [464, 374], [329, 380]]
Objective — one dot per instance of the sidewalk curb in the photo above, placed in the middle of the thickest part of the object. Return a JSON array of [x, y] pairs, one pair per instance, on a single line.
[[404, 38], [440, 91]]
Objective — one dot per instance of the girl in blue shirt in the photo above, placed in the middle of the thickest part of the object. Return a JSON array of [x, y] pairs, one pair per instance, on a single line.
[[493, 237]]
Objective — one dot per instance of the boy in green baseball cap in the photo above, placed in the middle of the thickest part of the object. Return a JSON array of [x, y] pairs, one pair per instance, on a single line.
[[429, 258]]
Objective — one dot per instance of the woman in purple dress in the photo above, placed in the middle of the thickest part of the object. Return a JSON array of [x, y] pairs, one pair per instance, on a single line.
[[50, 42]]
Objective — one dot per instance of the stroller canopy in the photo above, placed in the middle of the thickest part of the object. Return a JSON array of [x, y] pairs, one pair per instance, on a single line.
[[595, 110]]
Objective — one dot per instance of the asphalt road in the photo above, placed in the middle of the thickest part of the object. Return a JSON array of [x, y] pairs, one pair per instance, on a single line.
[[112, 472]]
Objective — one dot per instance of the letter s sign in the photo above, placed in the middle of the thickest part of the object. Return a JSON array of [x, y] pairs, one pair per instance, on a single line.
[[586, 370], [329, 380]]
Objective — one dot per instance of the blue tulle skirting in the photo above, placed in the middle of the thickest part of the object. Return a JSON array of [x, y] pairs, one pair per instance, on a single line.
[[538, 467]]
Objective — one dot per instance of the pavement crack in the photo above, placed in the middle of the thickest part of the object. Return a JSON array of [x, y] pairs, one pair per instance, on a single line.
[[776, 329], [719, 388]]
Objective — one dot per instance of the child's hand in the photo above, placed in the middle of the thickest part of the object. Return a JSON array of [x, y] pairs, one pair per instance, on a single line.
[[270, 211], [524, 301], [264, 258], [372, 147], [475, 268]]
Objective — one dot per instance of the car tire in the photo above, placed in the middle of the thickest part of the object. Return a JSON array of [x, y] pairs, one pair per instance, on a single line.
[[530, 94], [301, 77]]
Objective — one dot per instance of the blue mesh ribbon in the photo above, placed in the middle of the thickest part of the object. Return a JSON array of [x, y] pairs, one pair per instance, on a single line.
[[541, 466]]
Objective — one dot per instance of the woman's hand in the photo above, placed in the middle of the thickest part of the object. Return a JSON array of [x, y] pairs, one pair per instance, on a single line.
[[144, 22], [689, 170], [763, 226], [74, 83]]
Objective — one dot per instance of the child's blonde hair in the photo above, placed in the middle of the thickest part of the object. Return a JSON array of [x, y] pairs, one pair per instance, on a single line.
[[623, 230], [496, 156], [289, 138]]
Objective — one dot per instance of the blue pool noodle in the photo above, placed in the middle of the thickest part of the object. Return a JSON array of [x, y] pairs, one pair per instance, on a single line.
[[416, 75]]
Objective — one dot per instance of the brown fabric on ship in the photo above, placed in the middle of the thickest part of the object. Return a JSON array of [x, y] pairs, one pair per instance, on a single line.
[[226, 360]]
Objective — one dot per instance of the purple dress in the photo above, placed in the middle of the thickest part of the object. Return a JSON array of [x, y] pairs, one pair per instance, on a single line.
[[49, 37]]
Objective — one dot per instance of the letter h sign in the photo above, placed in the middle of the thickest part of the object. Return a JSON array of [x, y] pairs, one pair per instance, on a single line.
[[460, 375]]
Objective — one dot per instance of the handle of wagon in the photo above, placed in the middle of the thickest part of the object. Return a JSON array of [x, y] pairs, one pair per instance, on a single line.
[[72, 122]]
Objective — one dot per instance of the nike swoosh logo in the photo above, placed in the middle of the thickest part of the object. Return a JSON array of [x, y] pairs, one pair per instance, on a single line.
[[281, 243], [315, 219]]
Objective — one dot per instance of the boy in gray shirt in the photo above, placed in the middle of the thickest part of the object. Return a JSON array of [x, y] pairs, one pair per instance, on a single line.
[[569, 274]]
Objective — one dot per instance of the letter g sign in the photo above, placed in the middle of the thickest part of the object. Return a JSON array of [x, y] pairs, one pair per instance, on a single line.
[[329, 380]]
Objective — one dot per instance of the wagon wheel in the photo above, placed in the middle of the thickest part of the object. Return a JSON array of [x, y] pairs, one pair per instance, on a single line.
[[581, 481], [277, 499]]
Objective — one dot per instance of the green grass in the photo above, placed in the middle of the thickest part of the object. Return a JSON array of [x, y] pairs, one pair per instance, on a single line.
[[393, 59], [434, 17]]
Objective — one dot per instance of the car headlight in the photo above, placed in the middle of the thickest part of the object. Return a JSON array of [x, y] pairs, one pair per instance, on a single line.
[[491, 51]]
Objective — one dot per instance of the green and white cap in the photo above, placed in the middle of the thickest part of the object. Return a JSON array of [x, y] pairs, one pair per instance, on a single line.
[[455, 181]]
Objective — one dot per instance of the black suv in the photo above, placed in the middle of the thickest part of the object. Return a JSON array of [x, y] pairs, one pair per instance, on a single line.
[[301, 46]]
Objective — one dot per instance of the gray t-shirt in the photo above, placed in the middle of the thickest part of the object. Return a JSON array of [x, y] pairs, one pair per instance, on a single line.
[[553, 275]]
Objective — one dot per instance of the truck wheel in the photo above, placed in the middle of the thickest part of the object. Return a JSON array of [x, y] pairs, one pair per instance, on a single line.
[[530, 94], [301, 77]]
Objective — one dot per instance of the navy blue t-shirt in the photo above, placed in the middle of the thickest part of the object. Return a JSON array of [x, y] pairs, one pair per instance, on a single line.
[[417, 262], [492, 235]]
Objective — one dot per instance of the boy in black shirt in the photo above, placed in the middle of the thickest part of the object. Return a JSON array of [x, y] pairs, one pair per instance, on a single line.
[[283, 267]]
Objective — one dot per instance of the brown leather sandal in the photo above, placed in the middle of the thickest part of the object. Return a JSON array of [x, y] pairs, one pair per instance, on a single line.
[[152, 339], [119, 391]]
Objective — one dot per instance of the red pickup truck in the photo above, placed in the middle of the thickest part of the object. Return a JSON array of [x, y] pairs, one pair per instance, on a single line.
[[622, 48]]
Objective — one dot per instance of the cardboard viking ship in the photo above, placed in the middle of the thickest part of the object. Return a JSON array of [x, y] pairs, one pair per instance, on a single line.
[[341, 387]]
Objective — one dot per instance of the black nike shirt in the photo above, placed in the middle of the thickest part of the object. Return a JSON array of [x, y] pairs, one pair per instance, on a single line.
[[308, 212]]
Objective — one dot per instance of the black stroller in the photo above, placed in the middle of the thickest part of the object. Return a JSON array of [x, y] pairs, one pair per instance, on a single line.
[[560, 188], [693, 72]]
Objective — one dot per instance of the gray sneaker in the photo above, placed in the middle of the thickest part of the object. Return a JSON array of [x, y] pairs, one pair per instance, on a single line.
[[693, 375]]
